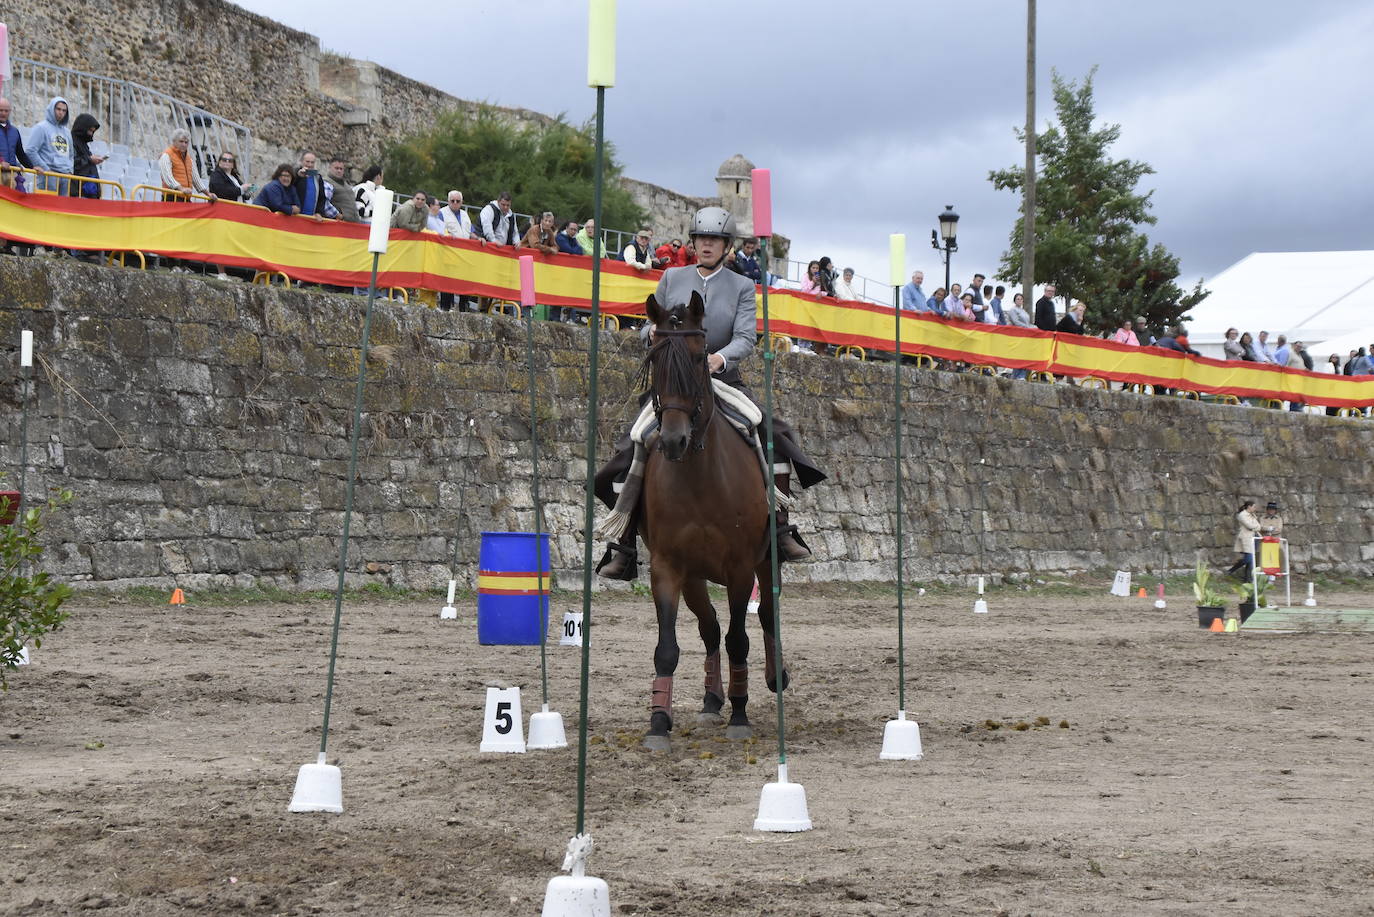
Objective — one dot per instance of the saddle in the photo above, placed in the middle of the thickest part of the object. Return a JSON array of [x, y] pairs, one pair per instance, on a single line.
[[743, 414], [744, 418]]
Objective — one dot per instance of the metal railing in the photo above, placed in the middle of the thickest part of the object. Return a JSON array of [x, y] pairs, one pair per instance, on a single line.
[[40, 181], [133, 119]]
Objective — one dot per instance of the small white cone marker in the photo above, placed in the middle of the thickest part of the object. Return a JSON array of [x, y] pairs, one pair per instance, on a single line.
[[577, 894], [546, 730], [1311, 600], [782, 806], [980, 607], [319, 788], [23, 656], [901, 740], [448, 612], [754, 599]]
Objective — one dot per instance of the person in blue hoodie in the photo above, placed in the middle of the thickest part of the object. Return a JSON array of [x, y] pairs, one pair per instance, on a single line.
[[50, 145]]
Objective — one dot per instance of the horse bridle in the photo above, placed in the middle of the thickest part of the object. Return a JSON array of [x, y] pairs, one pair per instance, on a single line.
[[695, 413]]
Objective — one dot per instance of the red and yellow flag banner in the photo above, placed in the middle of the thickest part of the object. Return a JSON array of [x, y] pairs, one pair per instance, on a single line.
[[336, 253]]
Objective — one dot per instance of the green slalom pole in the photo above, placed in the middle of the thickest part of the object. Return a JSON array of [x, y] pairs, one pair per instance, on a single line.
[[588, 522], [768, 358], [348, 502], [902, 736], [897, 420]]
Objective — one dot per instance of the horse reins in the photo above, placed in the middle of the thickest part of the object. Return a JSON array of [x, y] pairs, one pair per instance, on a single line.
[[695, 413]]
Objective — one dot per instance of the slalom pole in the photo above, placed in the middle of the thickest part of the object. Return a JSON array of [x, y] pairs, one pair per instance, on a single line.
[[26, 368], [319, 786], [898, 244], [541, 603], [589, 497], [782, 805], [348, 498], [901, 737], [577, 892]]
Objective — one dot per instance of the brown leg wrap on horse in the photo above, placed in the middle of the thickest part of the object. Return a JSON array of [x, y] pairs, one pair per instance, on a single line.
[[713, 682], [739, 680], [662, 695]]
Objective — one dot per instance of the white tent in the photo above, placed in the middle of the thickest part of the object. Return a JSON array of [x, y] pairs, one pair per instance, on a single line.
[[1320, 298]]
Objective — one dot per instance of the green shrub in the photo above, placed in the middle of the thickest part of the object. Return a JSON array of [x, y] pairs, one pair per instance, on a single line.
[[30, 603]]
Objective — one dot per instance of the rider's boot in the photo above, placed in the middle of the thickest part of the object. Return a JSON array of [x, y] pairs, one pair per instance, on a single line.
[[790, 545], [621, 560]]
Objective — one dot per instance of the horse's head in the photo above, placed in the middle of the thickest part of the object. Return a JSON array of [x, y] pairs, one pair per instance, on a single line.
[[675, 371]]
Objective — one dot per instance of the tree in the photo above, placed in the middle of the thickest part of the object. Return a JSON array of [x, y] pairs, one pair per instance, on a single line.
[[1088, 216], [545, 167], [30, 603]]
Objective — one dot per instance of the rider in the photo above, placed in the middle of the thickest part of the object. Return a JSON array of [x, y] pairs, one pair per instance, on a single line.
[[731, 331]]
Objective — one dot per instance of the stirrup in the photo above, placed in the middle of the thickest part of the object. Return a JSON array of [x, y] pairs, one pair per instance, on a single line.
[[619, 563], [790, 545]]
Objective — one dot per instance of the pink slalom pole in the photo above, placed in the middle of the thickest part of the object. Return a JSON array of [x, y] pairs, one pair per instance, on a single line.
[[527, 280], [763, 202]]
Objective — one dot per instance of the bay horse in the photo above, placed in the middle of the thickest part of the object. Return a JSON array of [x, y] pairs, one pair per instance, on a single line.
[[704, 519]]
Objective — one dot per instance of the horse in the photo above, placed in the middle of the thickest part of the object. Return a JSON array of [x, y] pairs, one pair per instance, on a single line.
[[704, 518]]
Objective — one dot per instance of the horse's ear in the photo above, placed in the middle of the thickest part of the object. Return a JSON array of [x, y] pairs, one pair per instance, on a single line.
[[653, 310], [696, 308]]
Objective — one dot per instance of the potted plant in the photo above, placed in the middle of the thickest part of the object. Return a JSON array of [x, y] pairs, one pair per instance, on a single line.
[[1211, 603], [1252, 596]]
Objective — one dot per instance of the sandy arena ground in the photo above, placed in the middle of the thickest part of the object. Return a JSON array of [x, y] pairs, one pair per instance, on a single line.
[[148, 756]]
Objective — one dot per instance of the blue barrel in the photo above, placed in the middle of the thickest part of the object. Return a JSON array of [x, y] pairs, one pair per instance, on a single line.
[[512, 609]]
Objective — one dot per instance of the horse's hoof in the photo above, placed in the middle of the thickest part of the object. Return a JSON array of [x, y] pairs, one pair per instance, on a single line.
[[658, 743], [739, 732], [710, 718], [773, 682]]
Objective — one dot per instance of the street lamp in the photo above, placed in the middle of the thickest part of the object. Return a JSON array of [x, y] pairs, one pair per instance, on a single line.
[[949, 226]]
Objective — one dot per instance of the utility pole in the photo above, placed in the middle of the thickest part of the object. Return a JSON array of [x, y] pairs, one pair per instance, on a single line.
[[1028, 223]]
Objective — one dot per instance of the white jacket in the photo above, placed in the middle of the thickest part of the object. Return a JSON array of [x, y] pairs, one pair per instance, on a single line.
[[456, 225]]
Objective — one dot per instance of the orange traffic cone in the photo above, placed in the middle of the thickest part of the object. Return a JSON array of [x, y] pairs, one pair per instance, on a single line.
[[1141, 593], [178, 597], [1217, 626]]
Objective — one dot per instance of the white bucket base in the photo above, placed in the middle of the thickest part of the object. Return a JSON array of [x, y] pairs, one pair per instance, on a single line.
[[319, 788], [546, 730], [901, 740], [1159, 603], [24, 653], [782, 808], [1310, 603], [577, 896], [980, 607], [448, 613]]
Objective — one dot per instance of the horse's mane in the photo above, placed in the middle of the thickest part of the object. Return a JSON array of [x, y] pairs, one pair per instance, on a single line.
[[681, 370]]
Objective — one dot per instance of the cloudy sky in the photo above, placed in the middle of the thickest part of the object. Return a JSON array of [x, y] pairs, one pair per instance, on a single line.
[[875, 114]]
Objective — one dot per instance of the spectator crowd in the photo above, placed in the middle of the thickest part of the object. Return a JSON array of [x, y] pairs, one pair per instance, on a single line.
[[59, 156]]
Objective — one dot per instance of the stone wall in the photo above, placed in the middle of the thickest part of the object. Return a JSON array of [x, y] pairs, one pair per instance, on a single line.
[[204, 430]]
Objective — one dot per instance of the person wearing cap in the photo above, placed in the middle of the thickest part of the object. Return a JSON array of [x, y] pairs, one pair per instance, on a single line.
[[639, 254], [1271, 523], [731, 332]]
